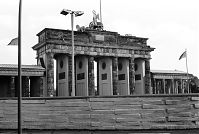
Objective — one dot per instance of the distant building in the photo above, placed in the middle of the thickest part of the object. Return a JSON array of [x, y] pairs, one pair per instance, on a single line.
[[32, 80], [170, 82]]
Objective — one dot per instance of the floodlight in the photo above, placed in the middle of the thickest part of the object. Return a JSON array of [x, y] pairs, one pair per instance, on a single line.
[[78, 13], [65, 11]]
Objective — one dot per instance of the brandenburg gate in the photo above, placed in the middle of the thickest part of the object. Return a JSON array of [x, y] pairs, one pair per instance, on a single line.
[[122, 62]]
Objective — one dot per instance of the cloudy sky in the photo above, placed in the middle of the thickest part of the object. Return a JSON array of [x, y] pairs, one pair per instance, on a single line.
[[171, 26]]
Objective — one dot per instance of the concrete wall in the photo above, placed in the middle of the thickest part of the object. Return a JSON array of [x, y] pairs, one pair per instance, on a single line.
[[103, 113]]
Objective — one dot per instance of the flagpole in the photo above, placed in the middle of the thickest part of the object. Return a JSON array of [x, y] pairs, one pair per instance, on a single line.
[[187, 73], [100, 12], [19, 68]]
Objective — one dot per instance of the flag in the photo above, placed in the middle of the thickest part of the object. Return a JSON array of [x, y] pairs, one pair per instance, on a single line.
[[184, 54], [14, 42]]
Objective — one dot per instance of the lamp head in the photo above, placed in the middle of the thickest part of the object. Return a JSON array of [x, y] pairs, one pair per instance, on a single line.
[[65, 12], [78, 13]]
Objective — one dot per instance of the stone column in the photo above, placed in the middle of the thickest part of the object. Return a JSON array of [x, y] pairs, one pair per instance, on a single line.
[[25, 86], [91, 82], [185, 86], [11, 90], [177, 86], [50, 74], [152, 84], [175, 91], [166, 86], [173, 86], [57, 76], [163, 82], [70, 75], [155, 86], [97, 93], [131, 75], [170, 86], [181, 86], [147, 77], [115, 74]]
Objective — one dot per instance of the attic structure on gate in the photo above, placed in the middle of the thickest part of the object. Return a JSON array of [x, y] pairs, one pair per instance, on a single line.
[[123, 62]]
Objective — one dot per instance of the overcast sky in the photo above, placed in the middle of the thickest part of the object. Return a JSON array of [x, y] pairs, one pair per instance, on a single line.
[[171, 26]]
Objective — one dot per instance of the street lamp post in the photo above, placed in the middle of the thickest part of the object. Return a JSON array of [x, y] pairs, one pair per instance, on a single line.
[[19, 70], [76, 13]]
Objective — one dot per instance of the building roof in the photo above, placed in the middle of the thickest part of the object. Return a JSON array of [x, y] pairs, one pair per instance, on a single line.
[[27, 70], [168, 71], [170, 74]]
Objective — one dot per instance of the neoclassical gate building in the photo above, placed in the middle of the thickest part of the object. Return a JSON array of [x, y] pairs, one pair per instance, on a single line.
[[106, 63]]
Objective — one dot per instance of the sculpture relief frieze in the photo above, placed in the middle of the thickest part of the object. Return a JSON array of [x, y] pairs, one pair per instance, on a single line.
[[50, 46], [88, 50], [137, 52], [142, 52], [102, 51]]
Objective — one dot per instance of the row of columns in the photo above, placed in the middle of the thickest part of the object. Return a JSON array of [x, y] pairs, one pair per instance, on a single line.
[[170, 86], [31, 86], [91, 85]]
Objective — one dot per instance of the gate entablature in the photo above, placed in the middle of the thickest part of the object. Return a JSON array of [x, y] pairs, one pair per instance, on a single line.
[[92, 42]]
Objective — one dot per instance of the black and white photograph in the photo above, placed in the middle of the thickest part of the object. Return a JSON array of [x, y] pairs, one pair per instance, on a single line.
[[99, 67]]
